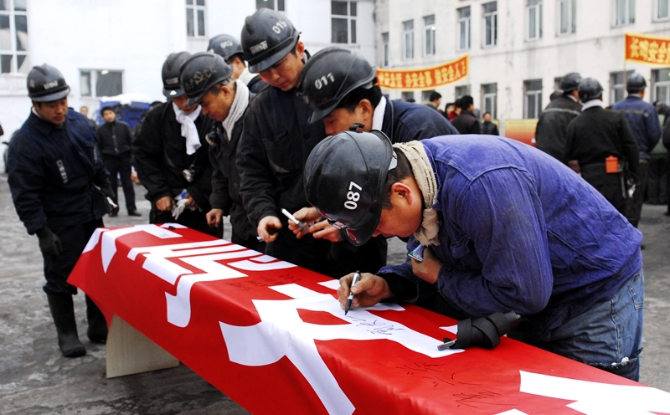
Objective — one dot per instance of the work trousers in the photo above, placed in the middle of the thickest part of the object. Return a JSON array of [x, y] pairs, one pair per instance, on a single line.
[[121, 166], [657, 185], [608, 184], [634, 204]]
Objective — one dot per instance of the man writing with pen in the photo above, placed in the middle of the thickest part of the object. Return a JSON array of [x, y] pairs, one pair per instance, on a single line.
[[515, 230]]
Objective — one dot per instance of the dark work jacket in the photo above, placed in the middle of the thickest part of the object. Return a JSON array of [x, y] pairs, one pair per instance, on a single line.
[[110, 145], [271, 156], [552, 127], [643, 120], [598, 133], [256, 84], [226, 179], [52, 173], [404, 122], [466, 123], [489, 128], [160, 157]]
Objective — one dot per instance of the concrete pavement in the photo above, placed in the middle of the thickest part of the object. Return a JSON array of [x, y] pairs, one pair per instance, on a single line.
[[36, 379]]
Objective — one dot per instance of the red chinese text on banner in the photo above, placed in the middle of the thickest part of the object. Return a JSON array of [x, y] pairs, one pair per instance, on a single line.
[[424, 78]]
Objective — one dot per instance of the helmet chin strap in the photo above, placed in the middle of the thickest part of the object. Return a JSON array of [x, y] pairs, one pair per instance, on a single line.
[[427, 182]]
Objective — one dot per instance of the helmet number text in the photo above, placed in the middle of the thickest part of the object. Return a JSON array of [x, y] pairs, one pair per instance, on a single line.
[[281, 24], [323, 81], [352, 196]]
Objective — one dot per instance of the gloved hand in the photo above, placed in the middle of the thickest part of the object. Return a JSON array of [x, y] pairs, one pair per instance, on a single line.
[[50, 243]]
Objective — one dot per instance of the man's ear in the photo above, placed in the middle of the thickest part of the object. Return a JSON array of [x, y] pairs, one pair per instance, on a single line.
[[401, 193], [366, 112], [300, 49]]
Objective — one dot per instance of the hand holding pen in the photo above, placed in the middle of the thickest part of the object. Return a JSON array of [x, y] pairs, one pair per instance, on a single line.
[[350, 298], [368, 290]]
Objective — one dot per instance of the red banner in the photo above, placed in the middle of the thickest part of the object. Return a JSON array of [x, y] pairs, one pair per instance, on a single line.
[[647, 49], [273, 337], [426, 78]]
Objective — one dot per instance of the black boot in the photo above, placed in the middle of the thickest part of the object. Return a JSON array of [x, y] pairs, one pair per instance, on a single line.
[[62, 311], [97, 325]]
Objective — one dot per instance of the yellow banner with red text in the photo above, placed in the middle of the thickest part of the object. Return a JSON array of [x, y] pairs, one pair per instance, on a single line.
[[424, 78]]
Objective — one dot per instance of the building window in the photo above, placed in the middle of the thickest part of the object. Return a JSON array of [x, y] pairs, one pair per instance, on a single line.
[[624, 12], [429, 35], [618, 87], [271, 4], [408, 39], [532, 98], [407, 96], [385, 49], [14, 37], [462, 90], [464, 28], [662, 10], [534, 17], [661, 83], [490, 99], [343, 21], [195, 18], [490, 23], [100, 83], [567, 17]]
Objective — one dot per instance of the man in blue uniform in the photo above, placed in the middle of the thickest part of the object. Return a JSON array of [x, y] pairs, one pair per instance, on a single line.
[[55, 176], [513, 231], [644, 124]]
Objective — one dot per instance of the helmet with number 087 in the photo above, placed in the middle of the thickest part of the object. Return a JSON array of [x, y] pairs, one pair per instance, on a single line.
[[267, 36], [344, 179], [330, 75]]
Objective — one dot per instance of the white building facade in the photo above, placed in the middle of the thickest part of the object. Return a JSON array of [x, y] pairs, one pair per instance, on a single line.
[[118, 47], [519, 49]]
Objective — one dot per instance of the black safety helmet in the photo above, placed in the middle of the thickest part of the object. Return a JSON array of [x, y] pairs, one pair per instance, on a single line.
[[267, 36], [344, 179], [46, 84], [635, 83], [170, 74], [570, 82], [589, 89], [225, 46], [330, 75], [200, 72]]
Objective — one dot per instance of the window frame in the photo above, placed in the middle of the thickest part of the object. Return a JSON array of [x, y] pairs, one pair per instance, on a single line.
[[466, 22], [657, 8], [656, 85], [277, 5], [196, 8], [572, 17], [461, 90], [616, 85], [386, 52], [13, 52], [493, 97], [485, 24], [628, 18], [527, 93], [429, 36], [93, 75], [537, 6], [351, 24], [407, 39]]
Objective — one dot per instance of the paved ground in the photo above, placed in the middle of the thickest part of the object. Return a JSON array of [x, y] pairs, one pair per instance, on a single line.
[[35, 379]]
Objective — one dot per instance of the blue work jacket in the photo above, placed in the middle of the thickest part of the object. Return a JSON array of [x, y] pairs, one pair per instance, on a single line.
[[406, 121], [643, 121], [521, 231], [52, 172]]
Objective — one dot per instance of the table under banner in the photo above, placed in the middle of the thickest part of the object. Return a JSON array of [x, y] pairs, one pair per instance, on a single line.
[[272, 337]]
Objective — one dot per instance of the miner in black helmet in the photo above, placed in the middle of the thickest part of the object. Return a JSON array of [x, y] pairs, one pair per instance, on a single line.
[[340, 86], [230, 49], [60, 189], [550, 133], [225, 101], [596, 135], [646, 128], [171, 155], [276, 141]]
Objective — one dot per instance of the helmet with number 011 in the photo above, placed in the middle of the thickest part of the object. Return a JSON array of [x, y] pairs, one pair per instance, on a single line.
[[225, 46], [46, 84], [590, 89], [570, 82], [201, 72], [267, 36], [635, 83], [344, 179], [330, 75], [170, 74]]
